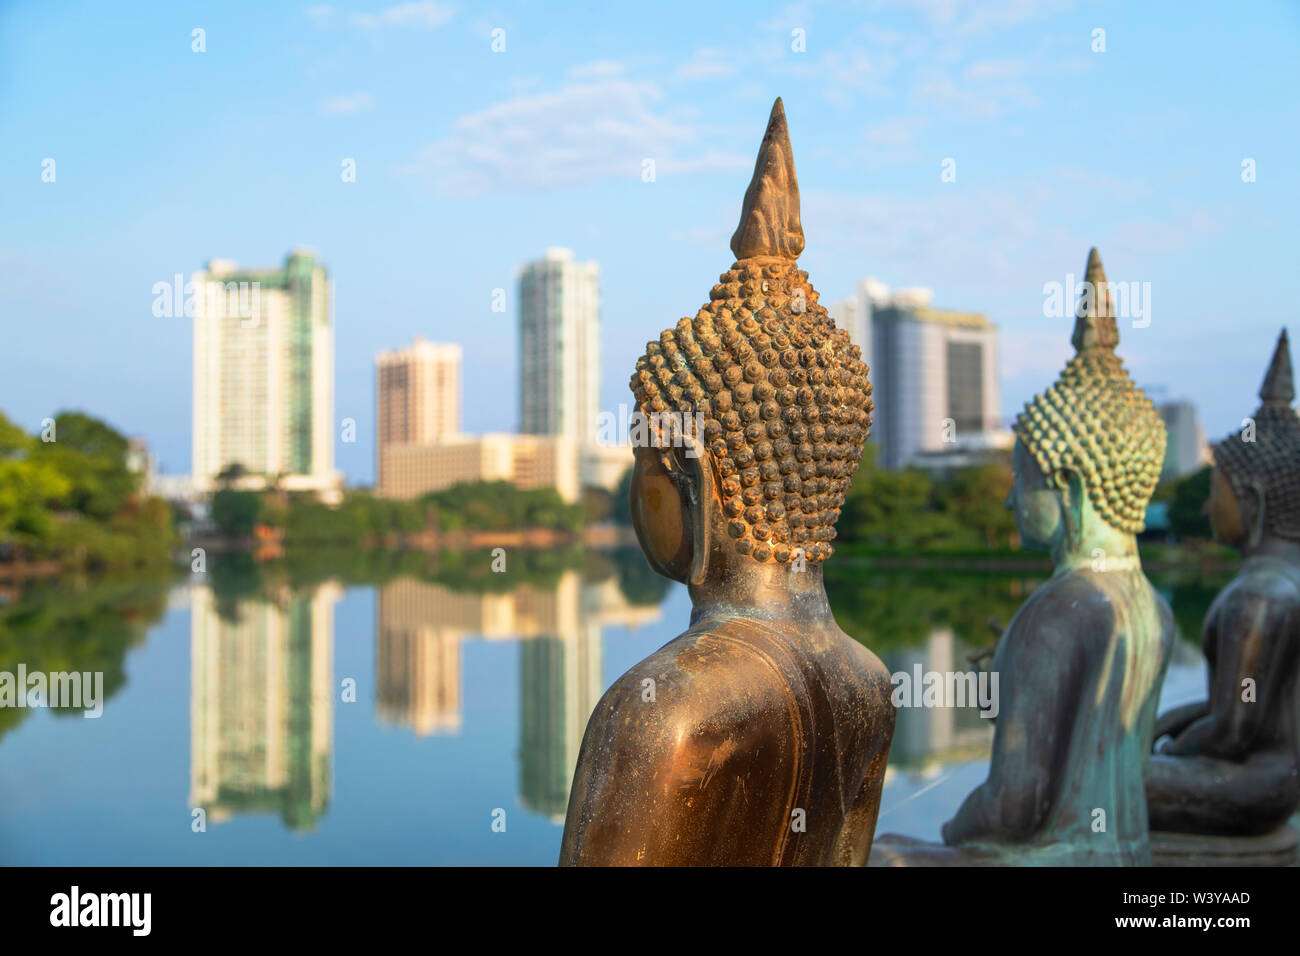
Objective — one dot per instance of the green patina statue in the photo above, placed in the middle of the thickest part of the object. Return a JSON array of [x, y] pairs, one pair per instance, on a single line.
[[1081, 663], [1229, 765]]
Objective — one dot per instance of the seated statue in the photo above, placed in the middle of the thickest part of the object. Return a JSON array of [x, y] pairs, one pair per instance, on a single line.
[[759, 736], [1230, 765], [1081, 663]]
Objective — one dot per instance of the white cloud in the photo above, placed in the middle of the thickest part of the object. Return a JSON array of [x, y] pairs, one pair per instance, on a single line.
[[1035, 355], [995, 69], [708, 63], [419, 15], [321, 14], [895, 132], [987, 16], [596, 69], [346, 104], [1166, 236], [883, 36], [855, 72], [581, 132], [980, 239], [980, 101], [1097, 185]]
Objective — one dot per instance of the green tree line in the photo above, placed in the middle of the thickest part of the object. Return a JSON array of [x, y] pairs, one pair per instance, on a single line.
[[363, 518], [911, 510], [68, 495]]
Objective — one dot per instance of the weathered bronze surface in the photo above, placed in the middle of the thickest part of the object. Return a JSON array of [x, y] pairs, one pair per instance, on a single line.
[[1081, 663], [1230, 766], [760, 735]]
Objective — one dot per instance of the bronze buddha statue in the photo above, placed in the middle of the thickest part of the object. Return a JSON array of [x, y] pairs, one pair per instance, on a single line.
[[1081, 663], [760, 735], [1230, 767]]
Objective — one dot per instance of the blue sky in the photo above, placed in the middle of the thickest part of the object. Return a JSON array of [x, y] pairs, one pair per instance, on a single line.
[[470, 162]]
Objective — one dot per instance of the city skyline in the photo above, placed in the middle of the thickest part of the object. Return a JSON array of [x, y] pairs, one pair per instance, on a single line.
[[452, 192]]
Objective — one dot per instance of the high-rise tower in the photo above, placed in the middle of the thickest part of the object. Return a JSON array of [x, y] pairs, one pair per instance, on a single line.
[[264, 375], [559, 347]]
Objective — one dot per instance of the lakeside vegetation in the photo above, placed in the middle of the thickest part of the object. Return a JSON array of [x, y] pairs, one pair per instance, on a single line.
[[367, 520], [912, 511], [964, 514], [67, 498], [73, 504]]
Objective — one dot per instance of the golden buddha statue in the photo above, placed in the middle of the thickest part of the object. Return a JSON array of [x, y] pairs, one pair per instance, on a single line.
[[1231, 763], [1081, 663], [759, 736]]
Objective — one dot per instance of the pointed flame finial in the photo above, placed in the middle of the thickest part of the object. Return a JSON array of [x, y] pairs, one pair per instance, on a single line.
[[1279, 385], [769, 220], [1095, 328]]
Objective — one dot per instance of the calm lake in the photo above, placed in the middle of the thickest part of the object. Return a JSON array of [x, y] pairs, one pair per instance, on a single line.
[[385, 709]]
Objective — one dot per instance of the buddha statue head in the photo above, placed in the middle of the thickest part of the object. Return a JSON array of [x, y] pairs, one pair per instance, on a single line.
[[1255, 486], [1089, 450], [757, 407]]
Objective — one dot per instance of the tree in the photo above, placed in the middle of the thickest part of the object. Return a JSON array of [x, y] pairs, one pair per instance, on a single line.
[[1186, 519], [13, 440], [27, 489], [597, 505], [230, 474], [92, 456], [890, 509], [90, 436], [908, 510], [236, 512], [977, 500], [622, 500]]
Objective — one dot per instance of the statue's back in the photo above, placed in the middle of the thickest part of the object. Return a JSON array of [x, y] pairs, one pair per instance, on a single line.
[[760, 747], [1111, 739]]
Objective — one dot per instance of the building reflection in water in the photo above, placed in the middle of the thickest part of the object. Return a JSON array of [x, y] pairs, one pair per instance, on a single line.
[[927, 738], [261, 703], [560, 629], [263, 689]]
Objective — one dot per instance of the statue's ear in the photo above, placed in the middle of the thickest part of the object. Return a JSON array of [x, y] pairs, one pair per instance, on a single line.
[[1254, 514], [1072, 497], [693, 461]]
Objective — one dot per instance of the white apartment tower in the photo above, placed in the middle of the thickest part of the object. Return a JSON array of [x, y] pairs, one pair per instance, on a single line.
[[559, 347], [264, 375]]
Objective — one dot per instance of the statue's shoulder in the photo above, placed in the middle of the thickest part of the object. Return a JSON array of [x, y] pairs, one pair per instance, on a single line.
[[1061, 609], [869, 666], [1272, 578], [707, 679], [1270, 587]]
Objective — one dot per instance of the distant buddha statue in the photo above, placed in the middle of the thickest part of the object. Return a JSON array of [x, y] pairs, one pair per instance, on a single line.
[[1081, 663], [759, 736], [1230, 767]]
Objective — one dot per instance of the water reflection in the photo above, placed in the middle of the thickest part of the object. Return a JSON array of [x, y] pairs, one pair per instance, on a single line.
[[473, 690], [926, 737], [76, 626], [560, 629], [261, 704]]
